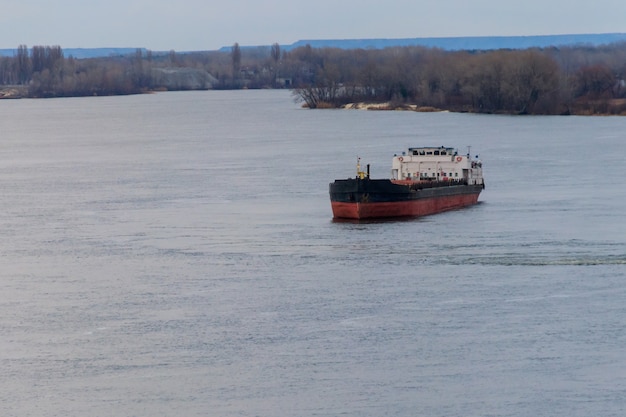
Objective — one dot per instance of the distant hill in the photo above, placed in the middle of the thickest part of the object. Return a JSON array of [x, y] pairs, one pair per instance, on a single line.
[[469, 43], [451, 44]]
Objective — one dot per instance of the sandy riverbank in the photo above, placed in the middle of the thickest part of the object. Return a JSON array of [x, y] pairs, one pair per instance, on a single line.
[[13, 92]]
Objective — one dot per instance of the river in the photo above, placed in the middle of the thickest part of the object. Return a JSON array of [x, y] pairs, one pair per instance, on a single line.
[[175, 254]]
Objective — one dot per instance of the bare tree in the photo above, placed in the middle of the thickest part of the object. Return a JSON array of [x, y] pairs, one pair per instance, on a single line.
[[235, 55], [531, 76], [23, 64], [275, 54], [595, 81]]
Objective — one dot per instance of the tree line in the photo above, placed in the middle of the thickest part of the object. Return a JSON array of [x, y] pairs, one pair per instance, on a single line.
[[45, 71], [570, 80], [566, 80]]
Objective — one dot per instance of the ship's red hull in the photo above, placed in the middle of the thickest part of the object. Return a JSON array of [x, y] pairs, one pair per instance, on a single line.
[[419, 207]]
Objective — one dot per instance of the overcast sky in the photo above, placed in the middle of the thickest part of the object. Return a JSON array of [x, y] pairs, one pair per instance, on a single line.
[[185, 25]]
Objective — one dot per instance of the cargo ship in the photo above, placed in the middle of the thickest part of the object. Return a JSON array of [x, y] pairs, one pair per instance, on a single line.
[[424, 181]]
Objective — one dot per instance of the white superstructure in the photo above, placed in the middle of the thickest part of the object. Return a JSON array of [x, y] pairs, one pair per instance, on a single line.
[[436, 164]]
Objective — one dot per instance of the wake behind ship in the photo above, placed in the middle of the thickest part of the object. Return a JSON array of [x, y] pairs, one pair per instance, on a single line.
[[426, 180]]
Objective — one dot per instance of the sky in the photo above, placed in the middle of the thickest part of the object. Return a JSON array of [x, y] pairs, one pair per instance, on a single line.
[[194, 25]]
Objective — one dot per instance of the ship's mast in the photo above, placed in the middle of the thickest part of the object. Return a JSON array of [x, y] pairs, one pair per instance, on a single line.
[[360, 174]]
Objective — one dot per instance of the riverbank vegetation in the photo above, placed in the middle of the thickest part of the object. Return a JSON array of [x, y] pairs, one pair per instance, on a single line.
[[573, 80], [567, 80]]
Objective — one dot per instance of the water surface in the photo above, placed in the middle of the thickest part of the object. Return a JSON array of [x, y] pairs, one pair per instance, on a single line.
[[174, 254]]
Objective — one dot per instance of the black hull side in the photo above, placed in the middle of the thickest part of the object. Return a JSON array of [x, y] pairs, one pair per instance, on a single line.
[[356, 190]]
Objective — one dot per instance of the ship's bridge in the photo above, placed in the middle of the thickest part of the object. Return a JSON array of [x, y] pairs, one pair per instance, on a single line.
[[436, 164], [440, 151]]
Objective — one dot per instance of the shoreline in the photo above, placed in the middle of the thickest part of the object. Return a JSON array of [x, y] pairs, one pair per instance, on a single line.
[[397, 107], [10, 92], [14, 92], [388, 106]]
